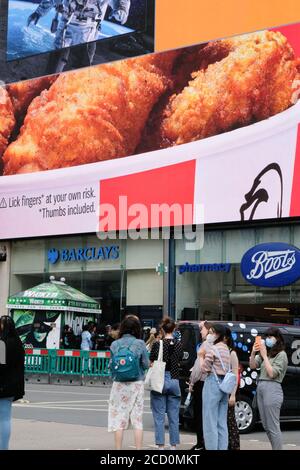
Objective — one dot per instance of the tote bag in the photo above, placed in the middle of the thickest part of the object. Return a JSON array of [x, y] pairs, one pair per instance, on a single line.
[[155, 377]]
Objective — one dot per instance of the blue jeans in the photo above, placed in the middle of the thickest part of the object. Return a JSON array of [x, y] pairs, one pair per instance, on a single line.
[[5, 422], [215, 408], [166, 402]]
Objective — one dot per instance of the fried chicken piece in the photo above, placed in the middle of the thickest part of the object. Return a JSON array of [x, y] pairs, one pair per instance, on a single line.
[[254, 82], [189, 60], [7, 120], [22, 93], [93, 114], [195, 58]]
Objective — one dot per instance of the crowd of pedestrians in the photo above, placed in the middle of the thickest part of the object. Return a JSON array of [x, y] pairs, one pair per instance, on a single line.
[[92, 337], [211, 382], [213, 392]]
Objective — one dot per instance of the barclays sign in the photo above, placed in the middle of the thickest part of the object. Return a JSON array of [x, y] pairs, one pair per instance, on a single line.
[[271, 265], [83, 254]]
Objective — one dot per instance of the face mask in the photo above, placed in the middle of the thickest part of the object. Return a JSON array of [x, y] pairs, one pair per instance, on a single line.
[[39, 336], [270, 342], [211, 338]]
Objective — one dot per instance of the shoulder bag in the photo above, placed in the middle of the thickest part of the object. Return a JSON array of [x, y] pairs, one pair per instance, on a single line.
[[155, 378], [228, 384]]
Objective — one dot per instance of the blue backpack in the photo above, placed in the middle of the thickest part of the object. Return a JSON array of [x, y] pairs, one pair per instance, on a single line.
[[125, 364]]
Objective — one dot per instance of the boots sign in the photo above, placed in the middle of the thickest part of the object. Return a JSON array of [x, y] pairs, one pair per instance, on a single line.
[[271, 265]]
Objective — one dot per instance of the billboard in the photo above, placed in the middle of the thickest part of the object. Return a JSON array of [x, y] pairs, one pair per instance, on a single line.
[[102, 148], [38, 330], [39, 26], [202, 21], [174, 26], [44, 37]]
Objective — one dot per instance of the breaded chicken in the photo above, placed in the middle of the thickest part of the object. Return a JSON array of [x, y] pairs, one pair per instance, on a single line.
[[189, 60], [93, 114], [22, 93], [7, 120], [253, 82], [101, 112]]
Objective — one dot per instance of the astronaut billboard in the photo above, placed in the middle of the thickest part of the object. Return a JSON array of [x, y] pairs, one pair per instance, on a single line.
[[40, 26], [214, 125]]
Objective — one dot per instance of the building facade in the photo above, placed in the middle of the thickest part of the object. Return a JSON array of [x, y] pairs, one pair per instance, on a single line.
[[208, 284], [155, 277], [120, 274]]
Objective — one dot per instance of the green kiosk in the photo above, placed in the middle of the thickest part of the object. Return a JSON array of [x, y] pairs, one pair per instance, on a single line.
[[41, 313]]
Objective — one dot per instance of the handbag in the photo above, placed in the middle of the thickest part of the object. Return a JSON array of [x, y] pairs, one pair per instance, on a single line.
[[228, 384], [155, 378]]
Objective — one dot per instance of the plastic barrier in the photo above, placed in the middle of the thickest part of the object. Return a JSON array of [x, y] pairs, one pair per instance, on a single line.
[[63, 366], [37, 361]]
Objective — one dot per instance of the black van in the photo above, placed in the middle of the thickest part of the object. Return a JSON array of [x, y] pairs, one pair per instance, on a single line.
[[244, 335]]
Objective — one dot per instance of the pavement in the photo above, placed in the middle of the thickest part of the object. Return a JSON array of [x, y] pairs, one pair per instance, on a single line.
[[57, 417], [37, 435]]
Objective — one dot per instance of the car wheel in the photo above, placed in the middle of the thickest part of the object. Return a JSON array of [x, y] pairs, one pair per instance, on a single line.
[[245, 415]]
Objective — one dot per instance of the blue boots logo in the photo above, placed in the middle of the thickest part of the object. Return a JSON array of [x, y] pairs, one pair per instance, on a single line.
[[53, 255], [271, 265]]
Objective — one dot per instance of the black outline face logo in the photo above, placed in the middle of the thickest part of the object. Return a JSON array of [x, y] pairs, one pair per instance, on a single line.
[[256, 196]]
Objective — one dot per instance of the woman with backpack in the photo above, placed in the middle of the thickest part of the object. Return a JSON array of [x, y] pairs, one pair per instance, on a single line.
[[129, 360], [167, 402], [215, 362], [11, 375], [271, 358]]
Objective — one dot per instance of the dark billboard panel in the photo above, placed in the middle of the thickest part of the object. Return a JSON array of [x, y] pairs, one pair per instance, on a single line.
[[40, 26]]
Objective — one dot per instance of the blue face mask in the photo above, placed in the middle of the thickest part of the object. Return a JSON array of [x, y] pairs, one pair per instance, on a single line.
[[270, 342]]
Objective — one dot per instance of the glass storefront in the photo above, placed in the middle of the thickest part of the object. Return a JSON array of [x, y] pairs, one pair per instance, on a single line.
[[119, 274], [129, 282], [221, 295]]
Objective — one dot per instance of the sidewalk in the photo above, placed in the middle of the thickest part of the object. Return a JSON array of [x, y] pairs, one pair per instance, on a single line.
[[40, 435]]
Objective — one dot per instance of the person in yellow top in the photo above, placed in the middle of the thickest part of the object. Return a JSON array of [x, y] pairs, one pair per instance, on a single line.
[[271, 358]]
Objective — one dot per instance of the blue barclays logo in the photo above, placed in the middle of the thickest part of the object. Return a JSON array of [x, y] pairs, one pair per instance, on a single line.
[[83, 254], [53, 255], [271, 265], [200, 268]]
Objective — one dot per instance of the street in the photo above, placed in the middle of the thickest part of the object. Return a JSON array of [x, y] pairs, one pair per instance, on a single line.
[[75, 417]]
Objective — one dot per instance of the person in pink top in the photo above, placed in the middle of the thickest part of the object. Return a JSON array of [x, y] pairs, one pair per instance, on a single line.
[[196, 384], [215, 362]]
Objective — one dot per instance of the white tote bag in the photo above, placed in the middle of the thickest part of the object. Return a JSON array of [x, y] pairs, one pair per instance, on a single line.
[[155, 377]]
